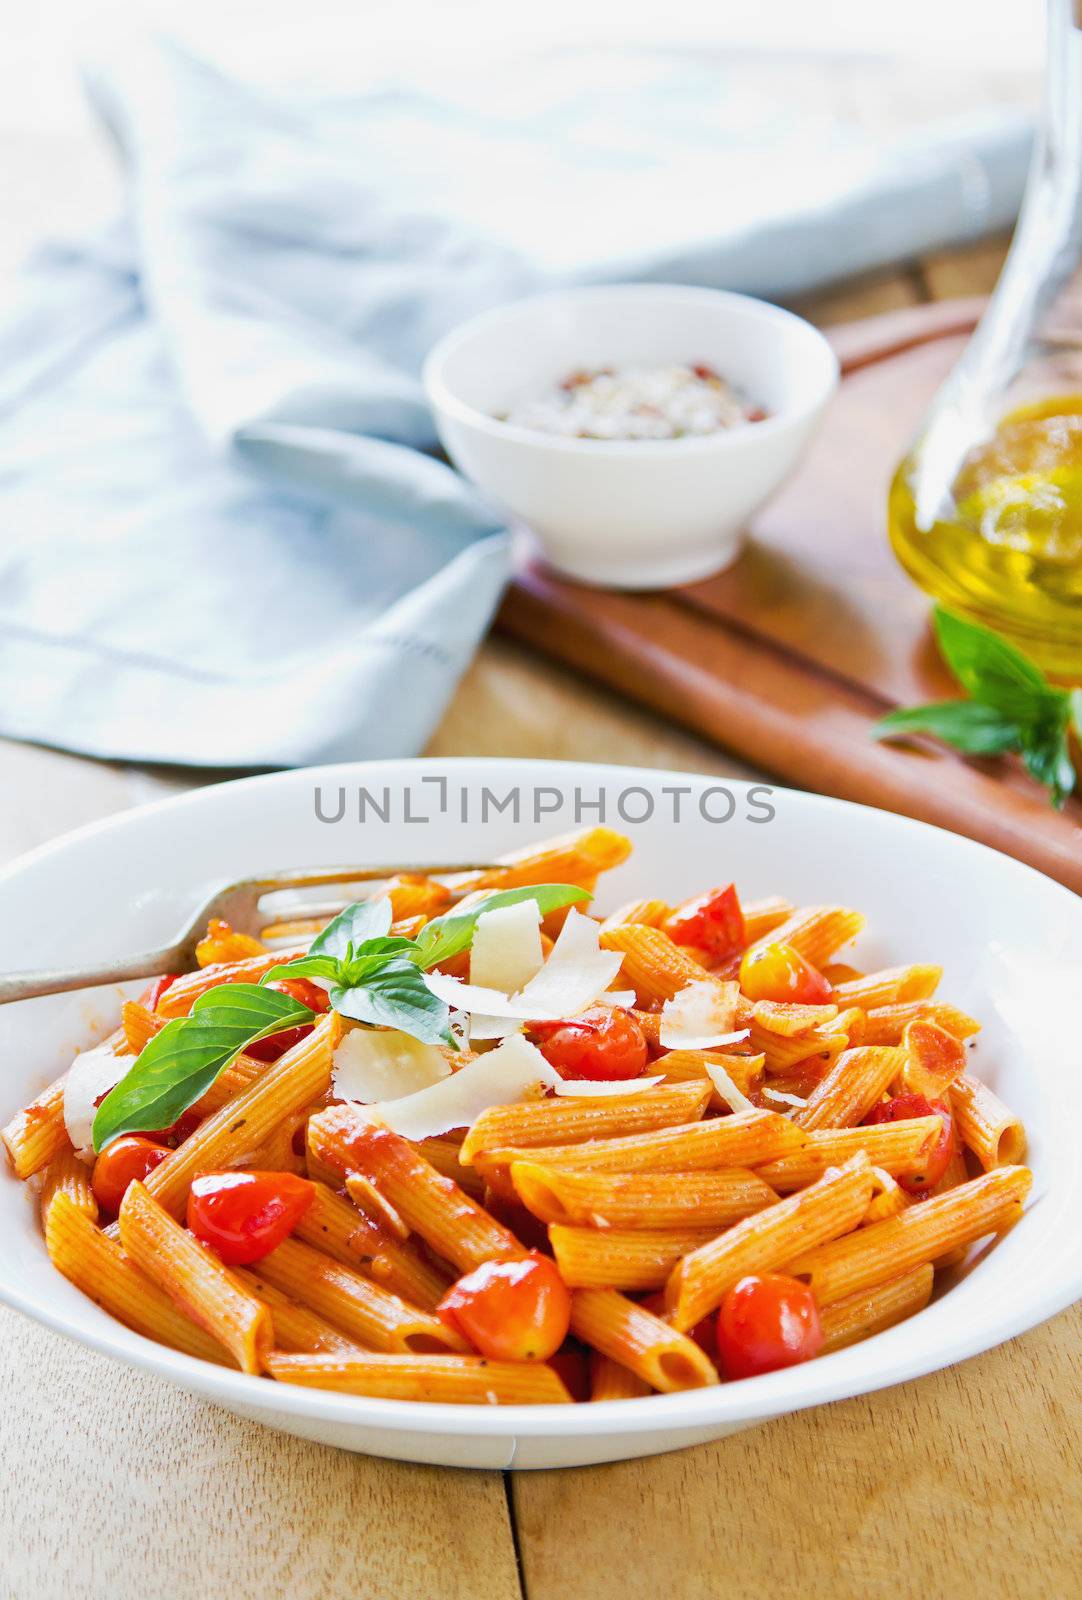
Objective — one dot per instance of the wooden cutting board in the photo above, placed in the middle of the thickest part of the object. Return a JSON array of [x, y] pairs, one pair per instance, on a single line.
[[790, 656]]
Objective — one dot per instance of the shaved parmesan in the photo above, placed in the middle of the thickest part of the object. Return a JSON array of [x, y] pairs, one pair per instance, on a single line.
[[780, 1097], [516, 1070], [588, 1087], [383, 1064], [472, 997], [617, 997], [701, 1017], [576, 973], [92, 1074], [506, 950], [734, 1098]]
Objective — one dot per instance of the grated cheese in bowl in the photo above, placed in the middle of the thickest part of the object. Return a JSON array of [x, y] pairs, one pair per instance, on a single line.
[[677, 401]]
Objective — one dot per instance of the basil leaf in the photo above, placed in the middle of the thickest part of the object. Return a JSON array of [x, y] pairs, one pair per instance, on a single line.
[[395, 995], [303, 967], [968, 725], [182, 1061], [452, 933], [993, 670], [1048, 759], [365, 919]]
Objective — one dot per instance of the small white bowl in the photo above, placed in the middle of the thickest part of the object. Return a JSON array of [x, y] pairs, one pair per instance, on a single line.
[[630, 514]]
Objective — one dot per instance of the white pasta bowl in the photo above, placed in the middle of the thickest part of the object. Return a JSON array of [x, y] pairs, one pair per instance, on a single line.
[[630, 514], [1009, 939]]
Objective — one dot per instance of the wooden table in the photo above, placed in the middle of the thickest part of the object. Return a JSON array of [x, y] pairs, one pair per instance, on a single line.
[[117, 1485]]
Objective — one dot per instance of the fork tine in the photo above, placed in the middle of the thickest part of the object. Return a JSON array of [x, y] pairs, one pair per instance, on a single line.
[[313, 877]]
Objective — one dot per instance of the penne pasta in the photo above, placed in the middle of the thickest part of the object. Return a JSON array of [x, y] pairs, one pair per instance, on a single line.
[[887, 1024], [445, 1154], [448, 1379], [179, 998], [545, 1122], [888, 986], [334, 1225], [745, 1139], [295, 1326], [95, 1263], [572, 858], [855, 1083], [815, 932], [635, 1338], [370, 1315], [610, 1381], [639, 1199], [763, 916], [985, 1125], [654, 966], [194, 1279], [690, 1066], [612, 1258], [873, 1255], [764, 1242], [245, 1121], [858, 1316], [789, 1021], [446, 1218], [651, 913], [67, 1175], [899, 1148]]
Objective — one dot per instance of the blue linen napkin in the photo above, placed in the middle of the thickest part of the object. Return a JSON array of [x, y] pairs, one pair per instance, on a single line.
[[225, 537]]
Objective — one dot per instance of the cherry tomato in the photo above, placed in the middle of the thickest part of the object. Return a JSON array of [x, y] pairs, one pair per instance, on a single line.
[[510, 1310], [128, 1158], [603, 1044], [243, 1216], [714, 923], [155, 989], [767, 1321], [307, 994], [276, 1044], [937, 1159], [778, 972], [572, 1365]]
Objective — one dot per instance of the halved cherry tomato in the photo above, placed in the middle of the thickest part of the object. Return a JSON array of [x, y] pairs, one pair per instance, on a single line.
[[128, 1158], [937, 1159], [714, 923], [276, 1044], [778, 972], [243, 1216], [603, 1044], [767, 1321], [155, 989], [510, 1310], [571, 1363]]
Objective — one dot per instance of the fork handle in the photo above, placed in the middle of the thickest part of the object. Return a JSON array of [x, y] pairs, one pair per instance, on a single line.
[[27, 985]]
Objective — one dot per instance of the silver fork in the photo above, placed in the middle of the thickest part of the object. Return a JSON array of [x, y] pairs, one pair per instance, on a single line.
[[235, 903]]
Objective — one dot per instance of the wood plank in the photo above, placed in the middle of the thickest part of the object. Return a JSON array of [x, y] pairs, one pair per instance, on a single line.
[[969, 1478], [512, 702], [972, 270], [869, 296], [119, 1485]]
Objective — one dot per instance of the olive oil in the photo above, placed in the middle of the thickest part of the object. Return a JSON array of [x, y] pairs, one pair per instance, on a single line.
[[1006, 547]]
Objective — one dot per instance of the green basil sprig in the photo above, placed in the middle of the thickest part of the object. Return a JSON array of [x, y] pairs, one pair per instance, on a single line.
[[1013, 707], [181, 1062], [370, 976]]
